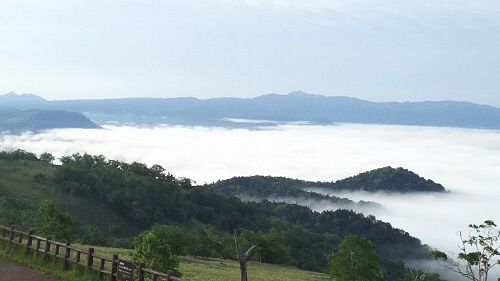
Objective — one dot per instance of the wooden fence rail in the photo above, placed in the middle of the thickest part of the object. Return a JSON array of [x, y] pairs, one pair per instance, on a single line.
[[114, 269]]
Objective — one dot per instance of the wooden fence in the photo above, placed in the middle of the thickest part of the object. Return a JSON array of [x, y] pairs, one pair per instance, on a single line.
[[114, 269]]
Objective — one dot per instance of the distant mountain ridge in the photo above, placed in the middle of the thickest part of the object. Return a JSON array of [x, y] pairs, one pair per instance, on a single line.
[[20, 113], [294, 107]]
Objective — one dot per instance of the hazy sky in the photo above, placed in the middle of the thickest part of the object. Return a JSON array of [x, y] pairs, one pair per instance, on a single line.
[[377, 49]]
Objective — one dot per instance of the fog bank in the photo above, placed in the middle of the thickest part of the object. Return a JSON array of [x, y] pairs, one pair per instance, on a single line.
[[466, 162]]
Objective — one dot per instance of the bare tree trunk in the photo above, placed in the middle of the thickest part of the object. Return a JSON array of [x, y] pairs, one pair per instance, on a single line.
[[242, 256], [243, 270]]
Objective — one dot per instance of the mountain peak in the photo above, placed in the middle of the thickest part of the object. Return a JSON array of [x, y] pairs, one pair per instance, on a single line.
[[299, 93], [13, 97]]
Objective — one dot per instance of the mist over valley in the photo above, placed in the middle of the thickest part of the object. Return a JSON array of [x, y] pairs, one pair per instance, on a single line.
[[465, 161]]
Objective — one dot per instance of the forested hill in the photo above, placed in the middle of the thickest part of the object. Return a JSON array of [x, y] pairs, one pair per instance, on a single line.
[[117, 200], [20, 113], [16, 121], [386, 179], [390, 180], [279, 189]]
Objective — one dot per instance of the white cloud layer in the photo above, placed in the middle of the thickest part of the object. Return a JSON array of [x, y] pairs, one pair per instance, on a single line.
[[466, 162]]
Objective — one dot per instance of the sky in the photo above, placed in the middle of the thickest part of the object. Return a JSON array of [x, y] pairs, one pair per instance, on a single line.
[[465, 161], [378, 50]]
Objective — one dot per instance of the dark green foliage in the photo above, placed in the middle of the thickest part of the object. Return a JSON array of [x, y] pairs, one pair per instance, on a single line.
[[355, 260], [383, 179], [126, 187], [18, 154], [396, 270], [121, 199], [93, 236], [389, 179], [390, 242], [40, 178], [49, 220], [47, 158], [154, 248], [148, 196], [257, 188]]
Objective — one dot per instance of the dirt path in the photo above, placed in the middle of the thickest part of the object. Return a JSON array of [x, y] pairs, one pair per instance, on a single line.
[[13, 272]]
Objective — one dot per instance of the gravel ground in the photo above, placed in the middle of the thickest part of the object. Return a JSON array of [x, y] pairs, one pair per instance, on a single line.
[[13, 272]]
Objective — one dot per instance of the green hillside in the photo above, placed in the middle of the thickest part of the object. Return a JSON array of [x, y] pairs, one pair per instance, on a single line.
[[24, 184], [118, 200]]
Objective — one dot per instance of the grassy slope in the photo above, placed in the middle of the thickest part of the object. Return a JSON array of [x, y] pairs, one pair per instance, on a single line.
[[197, 269], [17, 182]]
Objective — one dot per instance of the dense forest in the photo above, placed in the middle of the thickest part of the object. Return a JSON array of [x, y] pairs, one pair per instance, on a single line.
[[260, 188], [112, 201], [306, 193], [386, 179]]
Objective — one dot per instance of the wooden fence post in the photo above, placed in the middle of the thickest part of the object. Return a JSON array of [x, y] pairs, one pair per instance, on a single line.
[[90, 258], [66, 256], [169, 275], [11, 233], [29, 242], [101, 268], [57, 250], [114, 268], [46, 250], [141, 271]]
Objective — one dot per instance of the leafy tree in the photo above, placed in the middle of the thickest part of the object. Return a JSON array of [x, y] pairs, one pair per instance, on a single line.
[[47, 158], [93, 236], [355, 260], [479, 252], [49, 220], [176, 237], [18, 154], [152, 247]]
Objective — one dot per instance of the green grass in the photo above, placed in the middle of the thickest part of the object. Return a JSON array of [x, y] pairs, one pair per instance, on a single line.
[[51, 268], [208, 269], [193, 269]]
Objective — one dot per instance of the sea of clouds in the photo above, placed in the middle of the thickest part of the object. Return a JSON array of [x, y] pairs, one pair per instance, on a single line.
[[465, 161]]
